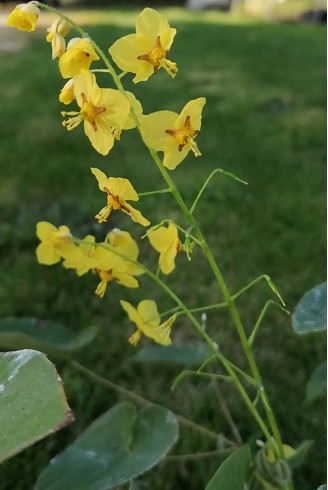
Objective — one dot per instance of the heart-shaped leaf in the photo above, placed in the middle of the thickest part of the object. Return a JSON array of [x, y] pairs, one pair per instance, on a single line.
[[182, 354], [317, 384], [310, 314], [49, 337], [232, 474], [115, 448], [33, 403]]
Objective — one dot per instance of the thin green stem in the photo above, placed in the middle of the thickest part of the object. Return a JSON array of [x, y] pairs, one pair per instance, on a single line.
[[189, 372], [151, 193], [216, 171], [257, 325], [240, 329]]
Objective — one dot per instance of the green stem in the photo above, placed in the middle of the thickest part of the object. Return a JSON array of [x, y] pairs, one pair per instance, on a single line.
[[216, 171], [151, 193], [228, 298], [257, 325]]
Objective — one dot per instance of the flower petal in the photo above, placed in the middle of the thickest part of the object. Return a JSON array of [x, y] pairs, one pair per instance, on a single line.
[[103, 180], [125, 52], [151, 24], [44, 230], [147, 310], [153, 129], [47, 254], [132, 313], [122, 188], [193, 109], [102, 140]]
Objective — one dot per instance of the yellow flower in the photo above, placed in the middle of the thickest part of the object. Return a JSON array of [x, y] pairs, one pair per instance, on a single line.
[[24, 17], [166, 242], [54, 242], [59, 26], [147, 320], [104, 111], [121, 269], [118, 191], [144, 52], [172, 133], [67, 94], [78, 57], [83, 257], [58, 45], [89, 255]]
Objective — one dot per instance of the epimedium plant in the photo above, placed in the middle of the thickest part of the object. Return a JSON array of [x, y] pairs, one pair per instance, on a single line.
[[122, 444]]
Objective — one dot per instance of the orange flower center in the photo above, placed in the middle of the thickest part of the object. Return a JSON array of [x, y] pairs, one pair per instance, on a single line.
[[158, 57], [88, 112], [114, 201], [185, 136]]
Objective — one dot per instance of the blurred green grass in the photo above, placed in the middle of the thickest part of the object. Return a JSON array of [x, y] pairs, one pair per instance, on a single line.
[[265, 121]]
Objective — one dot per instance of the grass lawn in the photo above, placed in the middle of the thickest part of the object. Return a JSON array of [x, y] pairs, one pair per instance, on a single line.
[[264, 121]]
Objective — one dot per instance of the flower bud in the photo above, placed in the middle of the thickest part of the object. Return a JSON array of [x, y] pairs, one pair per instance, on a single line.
[[59, 26], [24, 17], [67, 94], [58, 45]]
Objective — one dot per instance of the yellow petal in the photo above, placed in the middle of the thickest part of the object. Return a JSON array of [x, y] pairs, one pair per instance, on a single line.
[[47, 254], [193, 109], [85, 83], [67, 94], [44, 230], [103, 180], [147, 310], [145, 70], [167, 37], [122, 188], [125, 52], [132, 313], [162, 238], [126, 280], [78, 57], [117, 108], [150, 24], [153, 129], [173, 156], [162, 333], [167, 259], [136, 216], [102, 140]]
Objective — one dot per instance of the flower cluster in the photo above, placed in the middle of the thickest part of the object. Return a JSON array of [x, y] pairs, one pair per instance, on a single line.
[[106, 113]]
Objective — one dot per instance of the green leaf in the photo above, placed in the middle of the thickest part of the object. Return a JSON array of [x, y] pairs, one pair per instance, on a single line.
[[317, 384], [323, 487], [33, 403], [232, 473], [114, 449], [49, 337], [183, 354], [310, 314]]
